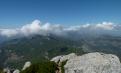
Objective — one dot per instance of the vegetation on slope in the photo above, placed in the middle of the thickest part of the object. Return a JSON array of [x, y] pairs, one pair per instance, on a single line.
[[1, 70], [43, 67], [62, 66], [34, 48]]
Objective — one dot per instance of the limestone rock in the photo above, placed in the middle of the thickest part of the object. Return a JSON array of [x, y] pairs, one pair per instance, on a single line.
[[63, 57], [6, 70], [93, 63], [90, 63], [26, 65], [16, 71]]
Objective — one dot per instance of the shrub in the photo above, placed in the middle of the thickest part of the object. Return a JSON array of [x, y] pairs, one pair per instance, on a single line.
[[43, 67]]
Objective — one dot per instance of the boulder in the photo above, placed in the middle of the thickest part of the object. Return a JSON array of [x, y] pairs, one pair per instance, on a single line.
[[26, 65], [16, 71], [90, 63]]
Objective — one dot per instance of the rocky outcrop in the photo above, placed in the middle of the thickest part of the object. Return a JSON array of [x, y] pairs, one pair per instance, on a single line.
[[6, 70], [90, 63], [63, 57], [26, 65], [16, 71]]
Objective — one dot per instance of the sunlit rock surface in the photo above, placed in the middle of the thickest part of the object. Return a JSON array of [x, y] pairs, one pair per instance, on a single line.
[[16, 71], [90, 63], [26, 65], [6, 70], [63, 57]]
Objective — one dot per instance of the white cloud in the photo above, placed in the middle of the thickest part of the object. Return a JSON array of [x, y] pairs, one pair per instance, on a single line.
[[49, 27], [36, 27], [32, 28], [86, 25], [105, 26], [8, 32]]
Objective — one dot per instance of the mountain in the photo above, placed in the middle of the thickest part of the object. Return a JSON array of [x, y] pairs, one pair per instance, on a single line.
[[2, 39], [35, 48], [95, 62], [15, 52]]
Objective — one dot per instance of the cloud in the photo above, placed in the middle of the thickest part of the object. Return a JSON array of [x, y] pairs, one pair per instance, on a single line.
[[8, 32], [105, 26], [100, 26], [32, 28], [36, 27]]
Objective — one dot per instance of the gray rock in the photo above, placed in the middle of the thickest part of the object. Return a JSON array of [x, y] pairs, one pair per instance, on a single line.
[[63, 57], [26, 65], [91, 63], [16, 71], [6, 70]]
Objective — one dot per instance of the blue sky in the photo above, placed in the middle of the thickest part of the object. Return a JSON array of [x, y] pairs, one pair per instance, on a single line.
[[16, 13]]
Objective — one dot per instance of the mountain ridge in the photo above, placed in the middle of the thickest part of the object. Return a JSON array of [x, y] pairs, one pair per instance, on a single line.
[[38, 47]]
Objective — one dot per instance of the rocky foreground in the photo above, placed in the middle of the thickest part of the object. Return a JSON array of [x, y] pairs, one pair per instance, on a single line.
[[72, 63], [89, 63]]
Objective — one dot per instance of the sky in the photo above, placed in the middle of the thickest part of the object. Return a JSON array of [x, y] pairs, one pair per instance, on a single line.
[[16, 13]]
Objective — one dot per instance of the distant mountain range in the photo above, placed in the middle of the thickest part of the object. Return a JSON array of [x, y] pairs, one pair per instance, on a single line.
[[14, 52]]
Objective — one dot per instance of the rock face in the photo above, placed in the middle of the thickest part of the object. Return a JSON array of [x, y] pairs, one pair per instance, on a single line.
[[26, 65], [64, 57], [6, 70], [16, 71], [90, 63]]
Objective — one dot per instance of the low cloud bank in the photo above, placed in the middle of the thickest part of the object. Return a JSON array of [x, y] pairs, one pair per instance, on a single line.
[[36, 27]]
